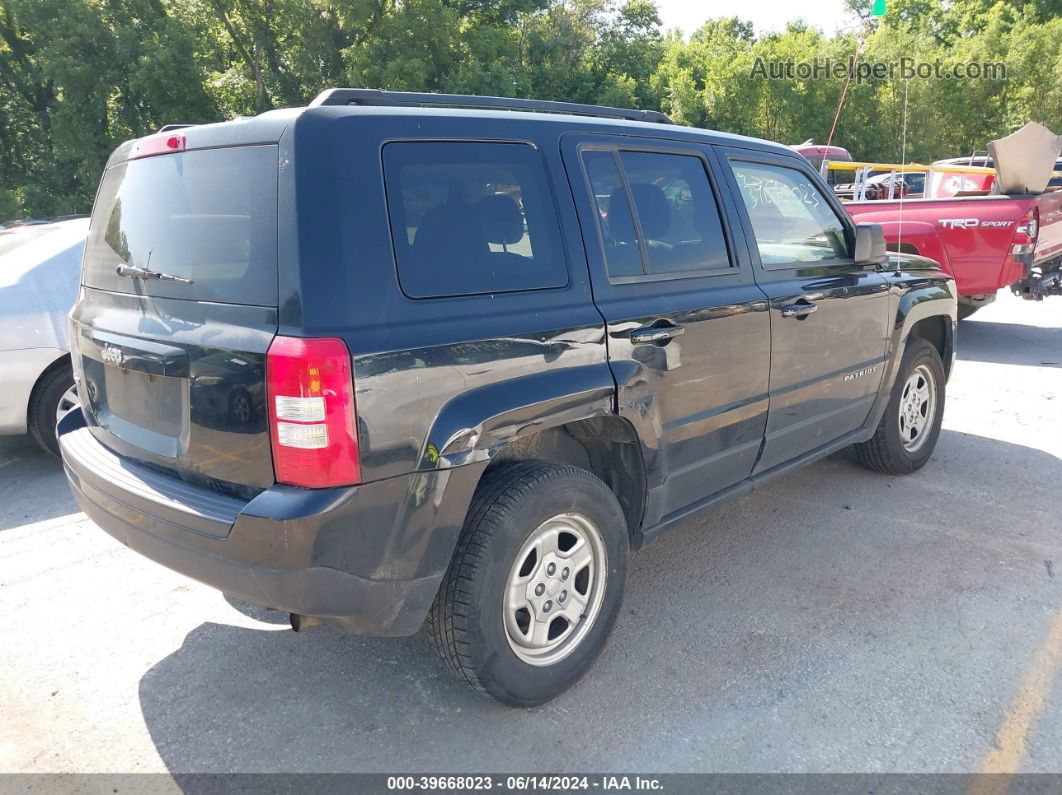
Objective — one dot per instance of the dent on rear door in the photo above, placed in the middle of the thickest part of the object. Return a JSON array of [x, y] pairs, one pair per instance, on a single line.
[[698, 399]]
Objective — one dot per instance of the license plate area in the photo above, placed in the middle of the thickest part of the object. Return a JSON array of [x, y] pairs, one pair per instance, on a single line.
[[142, 409]]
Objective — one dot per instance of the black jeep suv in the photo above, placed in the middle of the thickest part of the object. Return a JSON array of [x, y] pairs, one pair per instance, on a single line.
[[402, 357]]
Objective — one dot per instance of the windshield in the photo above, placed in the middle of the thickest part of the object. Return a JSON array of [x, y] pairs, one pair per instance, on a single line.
[[208, 215]]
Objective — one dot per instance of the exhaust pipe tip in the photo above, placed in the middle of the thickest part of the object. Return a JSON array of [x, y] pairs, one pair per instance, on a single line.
[[301, 623]]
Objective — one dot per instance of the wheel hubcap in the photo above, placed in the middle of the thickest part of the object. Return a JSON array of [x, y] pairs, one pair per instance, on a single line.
[[67, 403], [555, 589], [241, 409], [918, 403]]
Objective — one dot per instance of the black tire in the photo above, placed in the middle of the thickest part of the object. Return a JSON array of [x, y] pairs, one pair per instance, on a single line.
[[241, 408], [965, 310], [44, 403], [466, 622], [885, 451]]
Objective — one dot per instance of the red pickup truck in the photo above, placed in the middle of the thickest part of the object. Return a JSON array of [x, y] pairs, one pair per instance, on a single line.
[[985, 242], [988, 242]]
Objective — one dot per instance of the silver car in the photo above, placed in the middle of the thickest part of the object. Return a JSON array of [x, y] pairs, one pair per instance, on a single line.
[[40, 266]]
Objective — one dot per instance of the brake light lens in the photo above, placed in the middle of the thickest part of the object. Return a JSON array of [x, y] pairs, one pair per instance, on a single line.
[[161, 144], [1029, 227], [312, 416], [1025, 234]]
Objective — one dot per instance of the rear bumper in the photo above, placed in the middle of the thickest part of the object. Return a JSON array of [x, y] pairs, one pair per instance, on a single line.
[[367, 559]]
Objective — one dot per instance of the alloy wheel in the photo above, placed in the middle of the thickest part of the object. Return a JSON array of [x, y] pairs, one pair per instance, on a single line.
[[555, 589]]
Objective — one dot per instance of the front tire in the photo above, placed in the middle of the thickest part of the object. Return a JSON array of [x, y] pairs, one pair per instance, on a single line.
[[908, 431], [535, 584]]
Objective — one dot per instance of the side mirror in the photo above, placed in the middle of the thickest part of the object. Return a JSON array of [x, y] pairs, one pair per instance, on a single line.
[[869, 245]]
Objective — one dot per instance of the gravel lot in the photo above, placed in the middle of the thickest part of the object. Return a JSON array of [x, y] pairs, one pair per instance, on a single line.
[[835, 621]]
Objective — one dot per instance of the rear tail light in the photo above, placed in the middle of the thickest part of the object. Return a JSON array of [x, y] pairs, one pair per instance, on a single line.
[[312, 416], [1025, 234], [1022, 230]]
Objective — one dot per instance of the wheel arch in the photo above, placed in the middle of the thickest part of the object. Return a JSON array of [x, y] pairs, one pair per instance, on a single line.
[[937, 330], [905, 248], [61, 362], [926, 309], [566, 415], [607, 446], [917, 237]]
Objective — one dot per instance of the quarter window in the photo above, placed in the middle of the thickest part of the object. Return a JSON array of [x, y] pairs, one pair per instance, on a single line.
[[791, 219], [471, 218]]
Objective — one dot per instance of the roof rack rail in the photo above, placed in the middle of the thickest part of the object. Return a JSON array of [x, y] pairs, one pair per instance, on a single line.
[[168, 127], [374, 96]]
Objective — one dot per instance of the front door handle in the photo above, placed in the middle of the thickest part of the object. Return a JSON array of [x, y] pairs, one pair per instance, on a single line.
[[656, 333], [799, 310]]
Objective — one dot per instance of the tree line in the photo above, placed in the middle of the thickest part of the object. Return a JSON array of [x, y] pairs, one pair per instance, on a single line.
[[79, 76]]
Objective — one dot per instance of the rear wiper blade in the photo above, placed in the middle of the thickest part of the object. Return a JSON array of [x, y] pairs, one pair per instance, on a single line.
[[133, 272]]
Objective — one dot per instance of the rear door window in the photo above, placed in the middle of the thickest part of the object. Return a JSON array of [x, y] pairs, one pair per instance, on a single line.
[[675, 227], [472, 218], [677, 211], [206, 215], [623, 255]]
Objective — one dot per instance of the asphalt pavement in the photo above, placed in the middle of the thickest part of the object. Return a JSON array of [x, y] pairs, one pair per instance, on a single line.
[[834, 621]]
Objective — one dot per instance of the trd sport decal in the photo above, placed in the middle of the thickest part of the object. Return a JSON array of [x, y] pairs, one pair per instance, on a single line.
[[972, 223]]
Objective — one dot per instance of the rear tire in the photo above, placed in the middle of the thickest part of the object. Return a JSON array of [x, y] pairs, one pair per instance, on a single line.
[[52, 397], [965, 310], [535, 584], [908, 431]]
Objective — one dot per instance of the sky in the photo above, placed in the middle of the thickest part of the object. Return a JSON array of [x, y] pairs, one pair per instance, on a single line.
[[766, 15]]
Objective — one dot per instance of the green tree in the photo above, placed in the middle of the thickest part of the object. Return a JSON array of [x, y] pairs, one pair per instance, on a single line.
[[79, 76], [76, 78]]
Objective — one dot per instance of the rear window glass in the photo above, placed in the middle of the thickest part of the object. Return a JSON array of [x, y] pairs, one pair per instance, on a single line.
[[677, 214], [472, 218], [208, 215], [622, 253]]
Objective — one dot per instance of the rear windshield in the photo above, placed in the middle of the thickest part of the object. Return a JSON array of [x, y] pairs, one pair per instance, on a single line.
[[208, 215]]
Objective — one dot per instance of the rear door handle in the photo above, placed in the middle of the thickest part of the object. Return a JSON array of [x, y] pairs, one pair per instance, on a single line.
[[656, 333], [799, 310]]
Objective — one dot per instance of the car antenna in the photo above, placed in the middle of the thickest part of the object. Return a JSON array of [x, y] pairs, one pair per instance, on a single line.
[[903, 178]]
